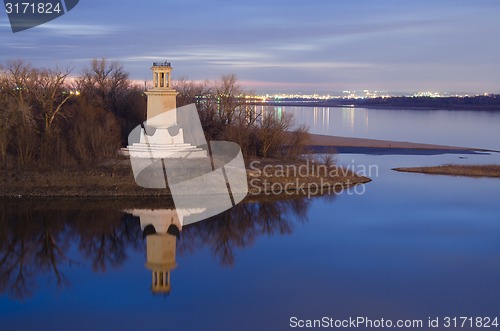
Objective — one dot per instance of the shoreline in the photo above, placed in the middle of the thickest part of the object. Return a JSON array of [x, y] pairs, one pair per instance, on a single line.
[[113, 179], [327, 144], [458, 170]]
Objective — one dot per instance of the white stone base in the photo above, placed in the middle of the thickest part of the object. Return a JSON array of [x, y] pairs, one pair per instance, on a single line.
[[162, 136], [161, 144], [159, 151]]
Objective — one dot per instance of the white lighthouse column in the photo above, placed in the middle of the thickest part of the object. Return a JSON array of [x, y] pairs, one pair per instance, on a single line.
[[161, 98]]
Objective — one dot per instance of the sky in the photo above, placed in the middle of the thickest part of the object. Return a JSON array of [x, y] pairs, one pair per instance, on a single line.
[[280, 45]]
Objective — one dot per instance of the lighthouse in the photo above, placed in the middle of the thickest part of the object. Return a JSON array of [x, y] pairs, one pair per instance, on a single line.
[[164, 134]]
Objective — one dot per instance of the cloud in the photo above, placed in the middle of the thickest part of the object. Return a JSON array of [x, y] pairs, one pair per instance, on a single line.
[[75, 29], [19, 45], [300, 65]]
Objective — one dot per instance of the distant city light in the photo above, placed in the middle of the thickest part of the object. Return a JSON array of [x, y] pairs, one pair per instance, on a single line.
[[362, 94]]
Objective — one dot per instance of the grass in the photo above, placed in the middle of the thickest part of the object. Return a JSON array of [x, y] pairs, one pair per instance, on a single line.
[[489, 170]]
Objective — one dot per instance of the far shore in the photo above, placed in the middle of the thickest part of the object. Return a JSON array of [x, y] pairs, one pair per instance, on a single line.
[[383, 107], [408, 105], [491, 170]]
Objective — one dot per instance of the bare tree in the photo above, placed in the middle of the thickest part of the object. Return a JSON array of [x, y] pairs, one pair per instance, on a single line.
[[17, 79], [91, 141], [18, 119], [29, 95], [24, 137], [272, 132], [6, 117], [104, 83], [229, 97], [296, 143], [191, 91], [50, 91]]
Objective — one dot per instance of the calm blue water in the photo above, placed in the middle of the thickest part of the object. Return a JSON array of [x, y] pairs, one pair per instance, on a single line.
[[477, 129], [405, 246]]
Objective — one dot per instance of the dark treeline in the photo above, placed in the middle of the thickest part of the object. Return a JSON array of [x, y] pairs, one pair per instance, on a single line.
[[479, 102], [50, 118], [483, 102]]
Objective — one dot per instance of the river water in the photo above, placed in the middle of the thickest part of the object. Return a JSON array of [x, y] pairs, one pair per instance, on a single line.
[[476, 129], [405, 246]]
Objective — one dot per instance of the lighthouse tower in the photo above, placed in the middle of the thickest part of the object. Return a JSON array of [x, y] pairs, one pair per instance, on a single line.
[[162, 97]]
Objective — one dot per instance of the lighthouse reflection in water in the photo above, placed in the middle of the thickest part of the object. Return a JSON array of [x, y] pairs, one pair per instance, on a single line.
[[161, 228]]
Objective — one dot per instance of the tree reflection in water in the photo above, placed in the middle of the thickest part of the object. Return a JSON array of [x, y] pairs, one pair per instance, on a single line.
[[104, 237], [239, 226], [35, 239]]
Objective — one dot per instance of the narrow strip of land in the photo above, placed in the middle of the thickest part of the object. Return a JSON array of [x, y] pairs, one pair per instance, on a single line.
[[490, 170], [336, 141], [323, 143], [114, 178]]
